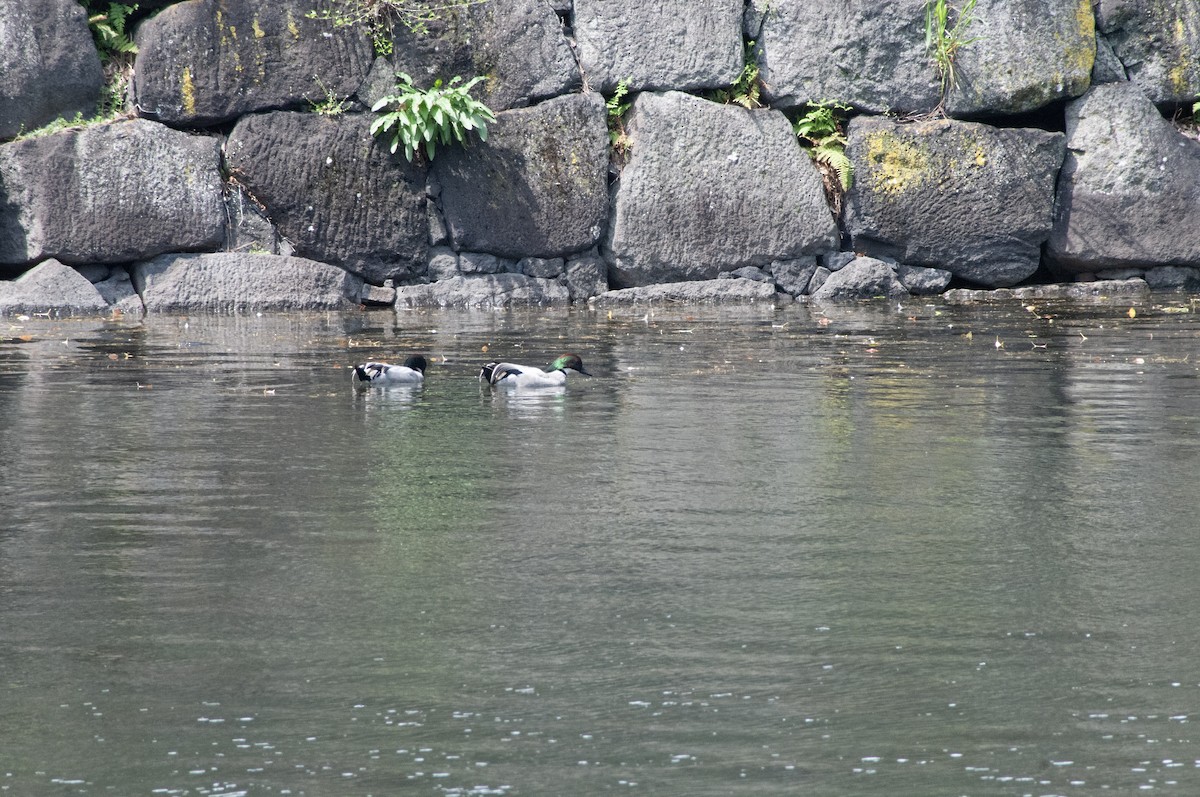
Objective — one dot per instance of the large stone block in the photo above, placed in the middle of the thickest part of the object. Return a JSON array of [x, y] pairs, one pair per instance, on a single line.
[[685, 46], [728, 291], [233, 281], [586, 276], [207, 61], [51, 287], [1027, 54], [110, 194], [1158, 41], [48, 65], [861, 52], [1129, 192], [518, 45], [972, 199], [872, 55], [863, 278], [537, 188], [711, 188], [483, 290], [334, 191]]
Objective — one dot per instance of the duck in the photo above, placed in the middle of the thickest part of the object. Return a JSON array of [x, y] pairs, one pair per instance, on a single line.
[[510, 375], [410, 374]]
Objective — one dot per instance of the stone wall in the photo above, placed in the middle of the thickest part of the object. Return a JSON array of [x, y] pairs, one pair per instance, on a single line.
[[1052, 156]]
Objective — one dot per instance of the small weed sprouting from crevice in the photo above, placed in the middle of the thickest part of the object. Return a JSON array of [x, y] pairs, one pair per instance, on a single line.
[[615, 109], [945, 35], [379, 17], [746, 91], [332, 105], [1188, 123]]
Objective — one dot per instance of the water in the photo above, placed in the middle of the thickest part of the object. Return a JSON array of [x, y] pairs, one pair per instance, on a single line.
[[886, 551]]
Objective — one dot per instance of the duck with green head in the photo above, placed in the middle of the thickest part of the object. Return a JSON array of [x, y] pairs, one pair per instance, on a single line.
[[509, 375]]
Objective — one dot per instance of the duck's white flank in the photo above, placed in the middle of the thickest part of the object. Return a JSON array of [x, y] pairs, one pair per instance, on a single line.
[[511, 375], [412, 372]]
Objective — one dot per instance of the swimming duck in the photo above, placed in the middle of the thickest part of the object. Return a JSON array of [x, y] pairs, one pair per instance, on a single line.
[[381, 374], [510, 375]]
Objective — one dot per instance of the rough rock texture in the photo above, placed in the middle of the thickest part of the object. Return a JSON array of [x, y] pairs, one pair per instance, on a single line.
[[486, 290], [538, 186], [1173, 278], [48, 65], [659, 46], [747, 273], [971, 199], [872, 55], [376, 296], [833, 261], [247, 229], [231, 281], [862, 52], [711, 188], [1158, 41], [1129, 192], [1099, 291], [923, 281], [334, 191], [482, 263], [51, 287], [443, 264], [1028, 54], [207, 61], [542, 267], [587, 276], [697, 292], [518, 45], [818, 279], [865, 278], [109, 194], [118, 291], [793, 276], [1108, 68]]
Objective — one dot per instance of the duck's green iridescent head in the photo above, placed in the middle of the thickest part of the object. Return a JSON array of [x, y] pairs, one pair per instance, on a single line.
[[569, 362]]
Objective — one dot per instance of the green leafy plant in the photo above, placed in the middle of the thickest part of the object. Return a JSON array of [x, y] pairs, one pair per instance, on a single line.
[[822, 136], [615, 109], [747, 89], [107, 22], [379, 16], [413, 118], [945, 35]]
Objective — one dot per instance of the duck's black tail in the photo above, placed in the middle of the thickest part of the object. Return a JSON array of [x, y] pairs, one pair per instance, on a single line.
[[487, 372], [361, 373]]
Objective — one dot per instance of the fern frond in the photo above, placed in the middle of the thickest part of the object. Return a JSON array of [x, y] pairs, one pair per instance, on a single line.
[[837, 160]]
